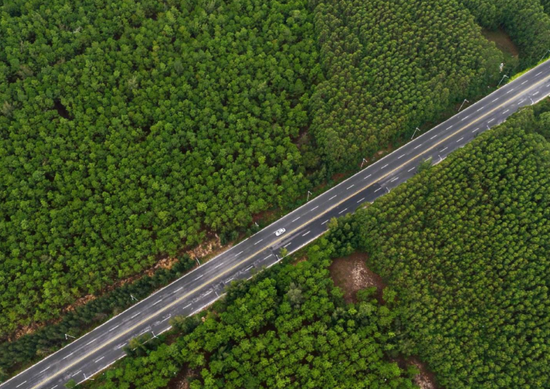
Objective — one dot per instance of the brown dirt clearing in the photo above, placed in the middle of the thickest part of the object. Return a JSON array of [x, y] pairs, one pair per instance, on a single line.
[[351, 274], [425, 379], [180, 381], [502, 41], [207, 250]]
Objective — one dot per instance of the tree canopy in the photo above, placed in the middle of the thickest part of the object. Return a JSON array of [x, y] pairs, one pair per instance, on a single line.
[[465, 246], [288, 328], [130, 129]]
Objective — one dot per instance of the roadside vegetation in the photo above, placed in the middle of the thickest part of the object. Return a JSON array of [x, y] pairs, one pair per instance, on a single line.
[[390, 67], [132, 130], [461, 252], [465, 247], [288, 328], [19, 354]]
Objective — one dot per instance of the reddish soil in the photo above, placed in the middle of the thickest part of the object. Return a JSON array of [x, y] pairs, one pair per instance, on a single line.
[[264, 216], [351, 274], [338, 177], [205, 251]]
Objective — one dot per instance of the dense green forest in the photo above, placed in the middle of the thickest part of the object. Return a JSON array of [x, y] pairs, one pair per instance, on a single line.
[[288, 328], [27, 349], [392, 66], [524, 20], [130, 128], [465, 246]]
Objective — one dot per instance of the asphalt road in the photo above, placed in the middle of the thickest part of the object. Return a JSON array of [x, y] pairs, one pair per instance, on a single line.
[[101, 347]]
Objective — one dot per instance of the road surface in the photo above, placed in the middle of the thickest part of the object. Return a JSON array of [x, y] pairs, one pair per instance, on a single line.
[[101, 347]]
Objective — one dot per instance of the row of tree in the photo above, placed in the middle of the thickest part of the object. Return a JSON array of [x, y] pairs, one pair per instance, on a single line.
[[392, 66], [27, 349], [465, 245], [129, 129], [288, 328]]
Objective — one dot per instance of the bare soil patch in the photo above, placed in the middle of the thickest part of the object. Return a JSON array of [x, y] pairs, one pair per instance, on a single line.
[[351, 274], [205, 251], [425, 379], [502, 41], [265, 216], [180, 381]]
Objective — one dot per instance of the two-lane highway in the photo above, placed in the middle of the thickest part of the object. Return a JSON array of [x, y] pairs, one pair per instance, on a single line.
[[104, 345]]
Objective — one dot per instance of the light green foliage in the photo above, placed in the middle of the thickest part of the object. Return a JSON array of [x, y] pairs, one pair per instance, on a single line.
[[129, 128], [524, 20], [287, 329], [465, 245], [391, 66]]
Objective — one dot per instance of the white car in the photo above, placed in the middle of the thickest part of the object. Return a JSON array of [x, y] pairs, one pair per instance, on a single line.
[[280, 232]]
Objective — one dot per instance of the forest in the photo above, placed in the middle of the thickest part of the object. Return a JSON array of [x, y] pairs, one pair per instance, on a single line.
[[132, 130], [392, 66], [288, 328], [525, 21], [465, 247], [462, 247]]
